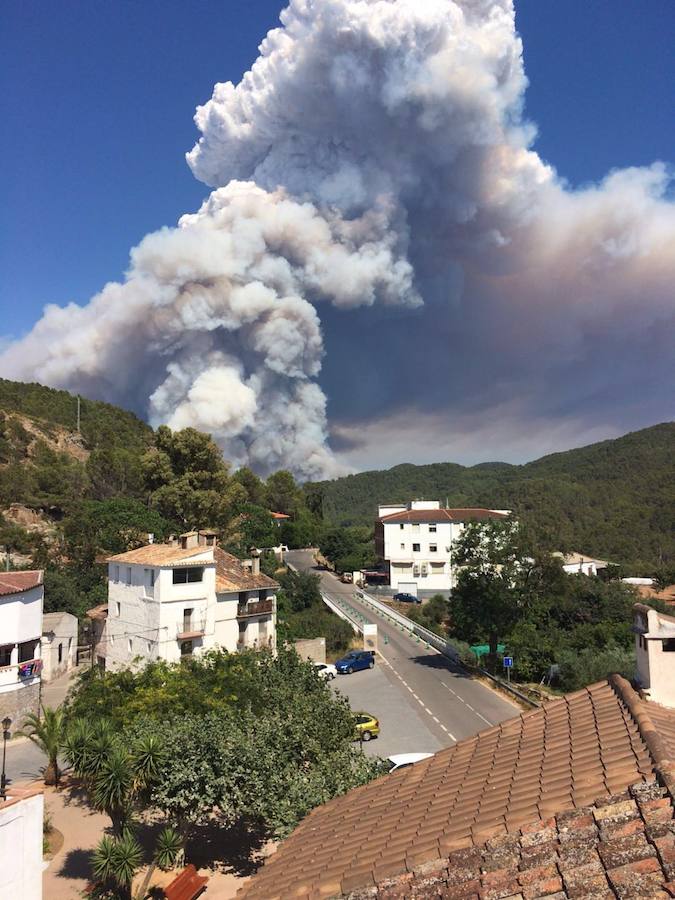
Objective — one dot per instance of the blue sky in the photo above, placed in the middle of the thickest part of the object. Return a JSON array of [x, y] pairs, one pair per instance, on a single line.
[[98, 98]]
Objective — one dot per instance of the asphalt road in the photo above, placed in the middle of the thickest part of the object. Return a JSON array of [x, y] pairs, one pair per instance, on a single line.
[[435, 701]]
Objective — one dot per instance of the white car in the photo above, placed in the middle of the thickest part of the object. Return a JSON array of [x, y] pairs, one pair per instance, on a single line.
[[401, 760], [326, 670]]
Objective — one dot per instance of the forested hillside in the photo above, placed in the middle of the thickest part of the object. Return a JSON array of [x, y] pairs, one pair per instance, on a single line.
[[614, 499]]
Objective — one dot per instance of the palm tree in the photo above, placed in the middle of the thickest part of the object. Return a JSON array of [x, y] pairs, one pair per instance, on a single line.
[[167, 850], [113, 788], [49, 735], [118, 860]]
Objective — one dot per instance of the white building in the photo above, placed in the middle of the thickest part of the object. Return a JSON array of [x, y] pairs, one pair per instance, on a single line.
[[578, 564], [21, 817], [414, 541], [167, 601], [21, 599], [59, 644], [655, 652]]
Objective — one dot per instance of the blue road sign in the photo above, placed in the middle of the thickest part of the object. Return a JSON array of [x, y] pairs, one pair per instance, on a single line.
[[507, 662]]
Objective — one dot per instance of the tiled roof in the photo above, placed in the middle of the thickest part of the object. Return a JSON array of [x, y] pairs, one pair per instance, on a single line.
[[98, 613], [231, 575], [564, 800], [56, 622], [17, 582], [435, 516], [158, 555]]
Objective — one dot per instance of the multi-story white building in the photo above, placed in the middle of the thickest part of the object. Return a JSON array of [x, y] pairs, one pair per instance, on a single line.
[[414, 541], [21, 600], [655, 653], [168, 601]]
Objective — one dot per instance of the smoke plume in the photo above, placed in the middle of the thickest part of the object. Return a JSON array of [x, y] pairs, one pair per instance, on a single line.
[[375, 166]]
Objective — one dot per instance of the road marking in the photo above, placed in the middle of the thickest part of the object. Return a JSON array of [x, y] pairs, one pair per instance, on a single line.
[[468, 705], [421, 702]]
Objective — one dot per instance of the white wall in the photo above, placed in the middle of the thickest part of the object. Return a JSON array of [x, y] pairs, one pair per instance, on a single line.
[[20, 621], [21, 848], [655, 665], [398, 548]]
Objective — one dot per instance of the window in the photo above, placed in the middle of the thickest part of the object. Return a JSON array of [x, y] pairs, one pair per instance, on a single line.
[[152, 577], [188, 576], [6, 655], [187, 619], [433, 548], [130, 645], [669, 645], [118, 608], [27, 651], [112, 639], [402, 546], [60, 653], [401, 526], [432, 529], [128, 574], [186, 648], [416, 548], [117, 573]]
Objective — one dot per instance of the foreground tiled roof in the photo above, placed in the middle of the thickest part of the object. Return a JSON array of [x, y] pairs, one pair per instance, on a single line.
[[17, 582], [434, 516], [516, 811], [231, 575]]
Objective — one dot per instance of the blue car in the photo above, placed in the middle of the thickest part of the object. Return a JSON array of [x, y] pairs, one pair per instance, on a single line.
[[355, 660]]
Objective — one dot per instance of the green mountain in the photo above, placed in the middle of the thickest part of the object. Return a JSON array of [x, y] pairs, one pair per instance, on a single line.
[[614, 499]]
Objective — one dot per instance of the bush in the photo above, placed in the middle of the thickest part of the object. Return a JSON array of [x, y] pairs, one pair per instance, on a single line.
[[590, 665]]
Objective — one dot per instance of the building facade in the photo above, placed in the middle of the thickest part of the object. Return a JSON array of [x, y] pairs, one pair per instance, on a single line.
[[414, 541], [21, 601], [59, 644], [168, 601]]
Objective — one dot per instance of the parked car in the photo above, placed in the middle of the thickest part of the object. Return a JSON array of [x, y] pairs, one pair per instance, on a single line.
[[402, 760], [355, 660], [406, 598], [325, 670], [366, 726]]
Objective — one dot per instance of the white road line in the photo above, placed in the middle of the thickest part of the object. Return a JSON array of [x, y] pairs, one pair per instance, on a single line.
[[468, 705]]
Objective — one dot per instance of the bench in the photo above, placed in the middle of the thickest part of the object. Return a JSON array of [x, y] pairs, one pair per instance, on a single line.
[[186, 886]]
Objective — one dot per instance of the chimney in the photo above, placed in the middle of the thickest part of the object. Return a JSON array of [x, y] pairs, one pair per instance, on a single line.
[[208, 538], [189, 540], [655, 653], [255, 561]]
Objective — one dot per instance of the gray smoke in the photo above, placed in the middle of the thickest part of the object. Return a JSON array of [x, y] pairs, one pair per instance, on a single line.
[[376, 160]]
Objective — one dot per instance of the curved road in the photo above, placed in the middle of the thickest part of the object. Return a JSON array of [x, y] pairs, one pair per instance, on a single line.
[[451, 703]]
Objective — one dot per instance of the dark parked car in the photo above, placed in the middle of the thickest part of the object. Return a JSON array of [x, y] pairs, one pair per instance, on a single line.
[[407, 598], [355, 660]]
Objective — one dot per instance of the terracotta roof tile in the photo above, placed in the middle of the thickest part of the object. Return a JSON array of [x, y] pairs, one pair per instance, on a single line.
[[442, 515], [18, 582]]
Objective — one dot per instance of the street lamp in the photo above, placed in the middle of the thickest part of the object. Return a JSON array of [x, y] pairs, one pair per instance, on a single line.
[[6, 722]]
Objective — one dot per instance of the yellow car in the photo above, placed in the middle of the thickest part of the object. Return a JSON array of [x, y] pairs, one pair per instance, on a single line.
[[365, 726]]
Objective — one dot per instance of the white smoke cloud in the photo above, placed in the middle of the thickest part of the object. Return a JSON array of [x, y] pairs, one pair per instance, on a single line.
[[376, 156]]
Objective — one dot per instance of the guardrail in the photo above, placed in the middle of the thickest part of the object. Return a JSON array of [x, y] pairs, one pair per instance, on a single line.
[[343, 614], [438, 643]]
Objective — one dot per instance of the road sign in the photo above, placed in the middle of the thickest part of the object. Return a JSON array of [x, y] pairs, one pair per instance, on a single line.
[[507, 662]]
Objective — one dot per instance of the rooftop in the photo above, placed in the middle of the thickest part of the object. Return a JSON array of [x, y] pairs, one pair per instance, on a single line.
[[443, 515], [17, 582], [55, 620], [232, 575], [159, 554], [571, 800]]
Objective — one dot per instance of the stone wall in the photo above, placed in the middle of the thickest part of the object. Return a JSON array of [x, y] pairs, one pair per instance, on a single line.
[[18, 704], [311, 648]]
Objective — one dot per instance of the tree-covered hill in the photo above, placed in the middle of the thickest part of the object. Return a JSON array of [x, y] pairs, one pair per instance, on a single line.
[[614, 499]]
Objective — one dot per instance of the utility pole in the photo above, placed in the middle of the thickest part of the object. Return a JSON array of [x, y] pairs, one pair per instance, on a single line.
[[78, 413]]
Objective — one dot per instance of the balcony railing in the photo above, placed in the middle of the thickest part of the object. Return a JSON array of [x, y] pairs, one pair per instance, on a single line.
[[255, 608], [19, 672], [190, 628]]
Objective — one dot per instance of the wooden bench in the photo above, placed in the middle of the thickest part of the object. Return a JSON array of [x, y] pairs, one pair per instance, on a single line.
[[186, 886]]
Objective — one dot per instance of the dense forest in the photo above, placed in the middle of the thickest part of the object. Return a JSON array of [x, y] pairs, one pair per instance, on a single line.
[[614, 499]]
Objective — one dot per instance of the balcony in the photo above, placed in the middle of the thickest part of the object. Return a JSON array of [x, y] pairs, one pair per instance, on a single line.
[[255, 608], [189, 628], [18, 673]]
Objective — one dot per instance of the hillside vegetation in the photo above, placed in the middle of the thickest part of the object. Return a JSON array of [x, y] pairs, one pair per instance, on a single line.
[[614, 499]]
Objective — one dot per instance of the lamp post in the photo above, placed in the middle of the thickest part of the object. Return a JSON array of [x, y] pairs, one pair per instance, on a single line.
[[6, 722]]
